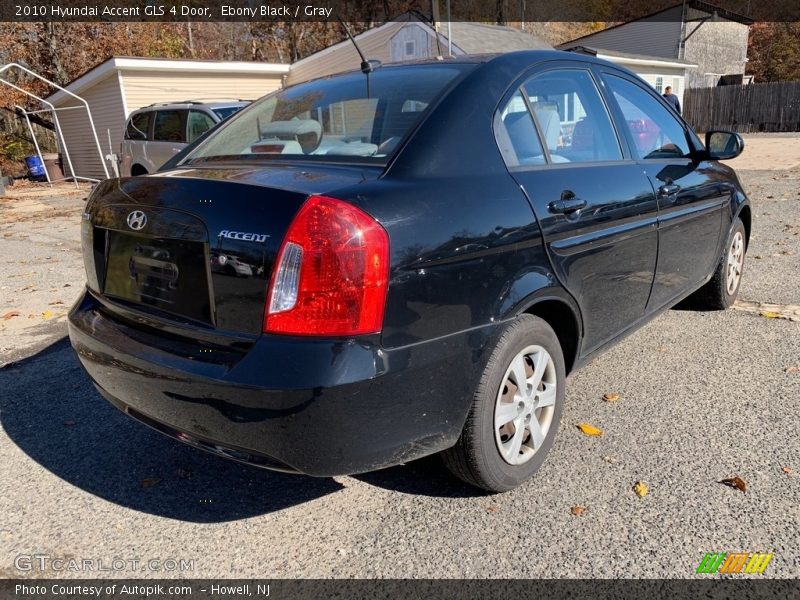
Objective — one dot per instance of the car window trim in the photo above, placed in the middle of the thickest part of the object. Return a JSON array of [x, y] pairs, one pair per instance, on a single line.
[[572, 165], [606, 71]]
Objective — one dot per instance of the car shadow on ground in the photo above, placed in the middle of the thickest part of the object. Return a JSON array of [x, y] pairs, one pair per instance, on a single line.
[[50, 410]]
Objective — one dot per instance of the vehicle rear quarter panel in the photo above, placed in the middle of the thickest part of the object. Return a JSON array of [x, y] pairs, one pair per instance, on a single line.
[[466, 250]]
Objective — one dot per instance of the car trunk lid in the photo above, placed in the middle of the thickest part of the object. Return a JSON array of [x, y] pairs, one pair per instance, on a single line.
[[198, 246]]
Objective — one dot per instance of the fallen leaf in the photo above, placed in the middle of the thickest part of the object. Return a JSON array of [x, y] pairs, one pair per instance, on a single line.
[[787, 470], [640, 489], [47, 315], [492, 508], [69, 422], [67, 285], [589, 429], [10, 315], [55, 303], [768, 314], [792, 369], [610, 397], [735, 482], [661, 349], [149, 482], [610, 460], [578, 511]]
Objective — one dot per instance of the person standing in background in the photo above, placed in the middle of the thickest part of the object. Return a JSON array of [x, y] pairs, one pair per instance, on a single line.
[[672, 99]]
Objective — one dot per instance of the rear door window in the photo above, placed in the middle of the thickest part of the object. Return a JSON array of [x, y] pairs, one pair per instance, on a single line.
[[655, 132], [516, 134], [139, 126], [170, 126], [572, 117], [197, 124]]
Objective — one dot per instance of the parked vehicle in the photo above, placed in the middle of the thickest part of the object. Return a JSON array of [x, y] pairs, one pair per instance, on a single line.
[[440, 249], [156, 133]]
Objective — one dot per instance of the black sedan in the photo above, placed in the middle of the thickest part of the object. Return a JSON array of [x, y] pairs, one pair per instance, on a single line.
[[432, 248]]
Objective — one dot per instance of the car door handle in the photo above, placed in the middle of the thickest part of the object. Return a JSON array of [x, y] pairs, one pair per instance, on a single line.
[[668, 189], [567, 204]]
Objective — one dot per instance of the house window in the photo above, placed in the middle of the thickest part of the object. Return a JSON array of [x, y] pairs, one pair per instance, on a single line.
[[411, 47], [660, 85]]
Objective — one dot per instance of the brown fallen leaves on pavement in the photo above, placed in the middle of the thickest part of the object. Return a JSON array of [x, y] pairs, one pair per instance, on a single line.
[[735, 482], [589, 429], [578, 511], [610, 397], [792, 369], [10, 315], [787, 470]]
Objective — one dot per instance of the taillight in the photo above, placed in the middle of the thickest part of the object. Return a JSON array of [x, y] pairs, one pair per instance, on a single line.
[[331, 273]]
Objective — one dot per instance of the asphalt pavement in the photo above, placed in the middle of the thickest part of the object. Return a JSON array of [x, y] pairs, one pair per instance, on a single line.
[[704, 396]]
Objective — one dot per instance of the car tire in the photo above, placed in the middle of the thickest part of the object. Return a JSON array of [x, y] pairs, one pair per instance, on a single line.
[[723, 288], [489, 453]]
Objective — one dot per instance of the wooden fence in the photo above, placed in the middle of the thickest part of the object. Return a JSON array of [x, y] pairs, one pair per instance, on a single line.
[[744, 108]]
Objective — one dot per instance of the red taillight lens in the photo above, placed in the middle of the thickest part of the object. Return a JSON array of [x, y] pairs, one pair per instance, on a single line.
[[331, 274]]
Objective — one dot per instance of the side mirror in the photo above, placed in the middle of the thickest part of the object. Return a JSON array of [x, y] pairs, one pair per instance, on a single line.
[[723, 145]]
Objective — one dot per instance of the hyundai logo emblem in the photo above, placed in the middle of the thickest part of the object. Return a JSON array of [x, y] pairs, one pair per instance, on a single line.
[[137, 220]]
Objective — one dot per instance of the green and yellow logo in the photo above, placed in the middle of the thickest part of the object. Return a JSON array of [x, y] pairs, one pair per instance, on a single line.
[[734, 562]]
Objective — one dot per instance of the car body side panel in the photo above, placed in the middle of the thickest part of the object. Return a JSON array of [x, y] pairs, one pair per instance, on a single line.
[[690, 225], [605, 254]]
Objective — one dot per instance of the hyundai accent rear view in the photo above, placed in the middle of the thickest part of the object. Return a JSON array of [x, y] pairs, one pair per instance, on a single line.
[[362, 270]]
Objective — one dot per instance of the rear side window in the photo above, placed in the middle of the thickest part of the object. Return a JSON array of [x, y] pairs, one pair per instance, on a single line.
[[574, 122], [345, 117], [197, 124], [655, 132], [516, 134], [139, 126], [170, 126]]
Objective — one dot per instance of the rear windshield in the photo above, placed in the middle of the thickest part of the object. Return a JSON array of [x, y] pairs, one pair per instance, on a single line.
[[346, 117]]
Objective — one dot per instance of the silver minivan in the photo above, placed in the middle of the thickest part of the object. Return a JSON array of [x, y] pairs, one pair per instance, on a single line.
[[157, 132]]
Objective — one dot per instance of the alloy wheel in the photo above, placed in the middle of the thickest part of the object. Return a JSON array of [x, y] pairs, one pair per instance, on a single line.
[[735, 263], [525, 405]]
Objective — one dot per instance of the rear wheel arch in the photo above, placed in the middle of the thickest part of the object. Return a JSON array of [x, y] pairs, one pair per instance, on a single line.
[[564, 321], [745, 216], [137, 170]]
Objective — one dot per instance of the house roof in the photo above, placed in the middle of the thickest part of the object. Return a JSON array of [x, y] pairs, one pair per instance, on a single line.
[[696, 4], [128, 63], [470, 38], [479, 38], [630, 58]]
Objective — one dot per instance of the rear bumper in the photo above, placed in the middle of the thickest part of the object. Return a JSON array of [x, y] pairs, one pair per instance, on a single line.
[[319, 407]]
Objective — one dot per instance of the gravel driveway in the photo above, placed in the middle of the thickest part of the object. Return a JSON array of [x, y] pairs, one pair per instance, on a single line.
[[703, 396]]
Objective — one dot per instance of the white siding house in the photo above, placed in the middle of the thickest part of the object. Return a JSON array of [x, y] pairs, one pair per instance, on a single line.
[[119, 86]]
